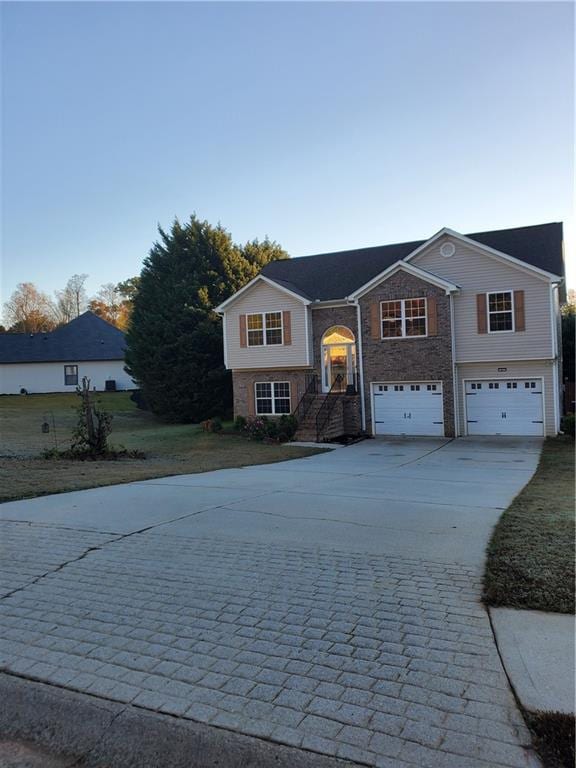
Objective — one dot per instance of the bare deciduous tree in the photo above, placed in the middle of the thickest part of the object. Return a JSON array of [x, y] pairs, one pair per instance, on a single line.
[[29, 310], [76, 287], [71, 300]]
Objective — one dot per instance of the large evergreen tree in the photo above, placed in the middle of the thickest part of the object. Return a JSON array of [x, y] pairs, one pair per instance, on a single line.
[[174, 338]]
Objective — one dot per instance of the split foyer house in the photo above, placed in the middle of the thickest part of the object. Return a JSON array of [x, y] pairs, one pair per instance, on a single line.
[[56, 361], [455, 335]]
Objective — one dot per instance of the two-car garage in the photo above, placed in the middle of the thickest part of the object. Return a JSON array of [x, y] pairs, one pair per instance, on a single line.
[[513, 406]]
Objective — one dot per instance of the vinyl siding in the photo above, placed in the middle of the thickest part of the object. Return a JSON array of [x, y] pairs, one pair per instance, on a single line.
[[524, 369], [49, 377], [265, 298], [475, 272]]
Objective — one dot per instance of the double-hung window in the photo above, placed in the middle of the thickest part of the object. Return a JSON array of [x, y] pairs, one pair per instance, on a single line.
[[403, 318], [70, 375], [500, 312], [272, 398], [264, 329]]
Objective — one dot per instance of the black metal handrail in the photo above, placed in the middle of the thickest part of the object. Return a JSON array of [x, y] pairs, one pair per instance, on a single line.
[[327, 405], [307, 399]]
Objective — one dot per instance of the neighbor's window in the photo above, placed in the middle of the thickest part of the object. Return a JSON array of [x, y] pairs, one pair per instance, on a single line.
[[71, 375], [264, 329], [500, 312], [272, 398], [404, 317]]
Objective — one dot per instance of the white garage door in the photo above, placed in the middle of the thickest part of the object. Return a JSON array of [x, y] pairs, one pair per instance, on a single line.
[[510, 407], [408, 409]]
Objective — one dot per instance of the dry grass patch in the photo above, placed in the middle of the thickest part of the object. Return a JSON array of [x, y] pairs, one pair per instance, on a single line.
[[171, 449]]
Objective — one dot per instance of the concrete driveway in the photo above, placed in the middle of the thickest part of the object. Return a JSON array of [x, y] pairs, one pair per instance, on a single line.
[[329, 603]]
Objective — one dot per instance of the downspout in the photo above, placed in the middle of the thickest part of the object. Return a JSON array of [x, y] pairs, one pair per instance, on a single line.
[[555, 360], [455, 386], [356, 303]]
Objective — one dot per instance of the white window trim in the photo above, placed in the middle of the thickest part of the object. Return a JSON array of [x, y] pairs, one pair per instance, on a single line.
[[272, 398], [66, 375], [488, 313], [403, 318], [263, 316]]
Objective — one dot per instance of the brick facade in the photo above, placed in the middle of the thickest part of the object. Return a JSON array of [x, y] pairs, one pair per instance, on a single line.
[[322, 320], [243, 383], [406, 359], [409, 359]]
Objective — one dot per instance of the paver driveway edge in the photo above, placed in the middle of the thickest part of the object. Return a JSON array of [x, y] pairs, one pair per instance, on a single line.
[[357, 634], [104, 733]]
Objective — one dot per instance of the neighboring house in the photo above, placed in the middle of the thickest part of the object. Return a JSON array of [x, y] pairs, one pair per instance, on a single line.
[[57, 361], [455, 335]]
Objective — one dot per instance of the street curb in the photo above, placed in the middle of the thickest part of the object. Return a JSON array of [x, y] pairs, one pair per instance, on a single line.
[[98, 733]]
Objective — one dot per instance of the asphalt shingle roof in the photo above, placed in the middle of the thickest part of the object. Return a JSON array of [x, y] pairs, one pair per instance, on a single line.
[[327, 276], [85, 338]]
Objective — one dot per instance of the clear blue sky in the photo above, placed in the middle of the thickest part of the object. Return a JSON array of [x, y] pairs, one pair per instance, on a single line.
[[326, 126]]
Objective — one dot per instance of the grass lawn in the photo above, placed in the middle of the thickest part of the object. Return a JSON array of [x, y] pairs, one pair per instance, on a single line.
[[530, 560], [171, 449]]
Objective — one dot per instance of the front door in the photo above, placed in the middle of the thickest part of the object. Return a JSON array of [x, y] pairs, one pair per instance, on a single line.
[[338, 359]]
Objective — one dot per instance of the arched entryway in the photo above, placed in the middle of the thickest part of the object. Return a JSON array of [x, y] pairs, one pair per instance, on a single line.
[[338, 358]]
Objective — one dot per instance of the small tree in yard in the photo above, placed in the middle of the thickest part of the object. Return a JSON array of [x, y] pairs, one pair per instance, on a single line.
[[94, 426], [174, 338]]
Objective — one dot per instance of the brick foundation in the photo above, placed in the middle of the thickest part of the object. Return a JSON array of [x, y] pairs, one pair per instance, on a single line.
[[243, 382]]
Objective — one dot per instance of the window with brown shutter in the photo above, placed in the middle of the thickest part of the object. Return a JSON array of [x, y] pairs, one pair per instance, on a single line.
[[500, 312], [287, 323], [403, 318], [481, 313], [242, 330], [432, 316], [519, 314]]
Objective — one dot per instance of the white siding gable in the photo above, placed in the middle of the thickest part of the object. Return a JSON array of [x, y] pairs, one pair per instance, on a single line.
[[477, 272], [262, 297]]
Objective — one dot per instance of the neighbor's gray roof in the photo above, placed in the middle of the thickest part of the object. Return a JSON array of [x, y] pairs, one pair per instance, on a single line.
[[329, 276], [86, 338]]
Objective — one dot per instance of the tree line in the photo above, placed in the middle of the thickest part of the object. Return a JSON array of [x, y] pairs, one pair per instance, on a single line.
[[30, 310], [174, 338]]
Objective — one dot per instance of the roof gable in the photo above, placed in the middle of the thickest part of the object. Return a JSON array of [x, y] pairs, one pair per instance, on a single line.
[[87, 337], [403, 266], [334, 276], [484, 248], [280, 284]]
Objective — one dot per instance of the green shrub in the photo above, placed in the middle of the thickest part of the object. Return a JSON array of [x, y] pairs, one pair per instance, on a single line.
[[256, 427], [276, 430], [272, 430], [288, 426], [567, 424], [239, 423]]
